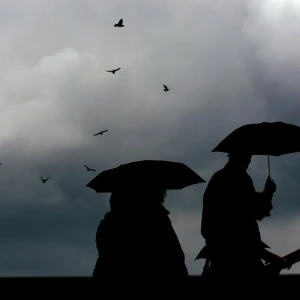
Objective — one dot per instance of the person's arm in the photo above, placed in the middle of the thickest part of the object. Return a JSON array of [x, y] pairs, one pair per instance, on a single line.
[[263, 200], [274, 259], [263, 205], [268, 256]]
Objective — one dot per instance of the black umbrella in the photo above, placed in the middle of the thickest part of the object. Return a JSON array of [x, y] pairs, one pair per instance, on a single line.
[[264, 138], [166, 174]]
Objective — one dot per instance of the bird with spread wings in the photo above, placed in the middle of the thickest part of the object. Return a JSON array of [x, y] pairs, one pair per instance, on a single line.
[[113, 71], [44, 180], [119, 24], [89, 169], [101, 132], [166, 88]]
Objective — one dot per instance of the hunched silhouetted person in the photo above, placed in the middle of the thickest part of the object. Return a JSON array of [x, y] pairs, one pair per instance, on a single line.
[[136, 241], [231, 209]]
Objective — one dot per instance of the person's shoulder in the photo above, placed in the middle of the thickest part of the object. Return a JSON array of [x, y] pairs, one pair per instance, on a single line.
[[217, 179], [218, 175], [105, 219], [163, 210], [248, 177]]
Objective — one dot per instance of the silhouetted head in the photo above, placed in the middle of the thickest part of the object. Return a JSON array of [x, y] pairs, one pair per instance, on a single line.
[[136, 197], [239, 161]]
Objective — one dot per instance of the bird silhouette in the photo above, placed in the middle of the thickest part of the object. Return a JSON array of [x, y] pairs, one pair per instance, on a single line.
[[44, 180], [101, 132], [113, 71], [120, 24], [166, 88], [89, 169]]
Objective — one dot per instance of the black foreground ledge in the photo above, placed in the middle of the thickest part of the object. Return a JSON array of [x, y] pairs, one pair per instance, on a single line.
[[282, 281]]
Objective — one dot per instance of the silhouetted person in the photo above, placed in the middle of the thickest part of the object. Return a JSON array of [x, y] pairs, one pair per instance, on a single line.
[[136, 241], [231, 208]]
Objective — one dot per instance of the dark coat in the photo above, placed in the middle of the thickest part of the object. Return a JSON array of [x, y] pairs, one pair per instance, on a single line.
[[141, 245], [231, 208]]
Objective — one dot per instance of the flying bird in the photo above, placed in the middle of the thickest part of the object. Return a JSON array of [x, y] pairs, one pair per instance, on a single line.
[[120, 24], [101, 132], [113, 71], [44, 180], [89, 169], [166, 88]]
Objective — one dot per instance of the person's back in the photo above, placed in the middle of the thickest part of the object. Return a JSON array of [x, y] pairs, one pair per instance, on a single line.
[[171, 256]]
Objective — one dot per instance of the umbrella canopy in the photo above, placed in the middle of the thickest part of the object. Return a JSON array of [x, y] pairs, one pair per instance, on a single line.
[[264, 138], [165, 174]]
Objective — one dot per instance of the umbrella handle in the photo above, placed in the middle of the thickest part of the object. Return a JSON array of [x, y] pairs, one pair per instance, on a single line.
[[269, 166]]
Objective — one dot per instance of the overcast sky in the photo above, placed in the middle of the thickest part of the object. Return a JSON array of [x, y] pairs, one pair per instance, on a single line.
[[227, 63]]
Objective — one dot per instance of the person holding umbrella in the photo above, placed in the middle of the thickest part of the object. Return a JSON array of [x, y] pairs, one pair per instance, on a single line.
[[231, 209], [136, 241]]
